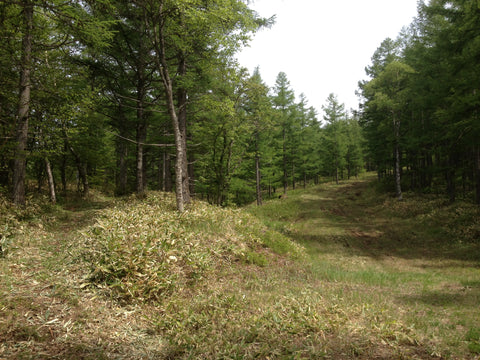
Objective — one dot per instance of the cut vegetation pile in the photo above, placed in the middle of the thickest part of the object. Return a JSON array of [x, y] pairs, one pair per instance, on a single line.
[[333, 272]]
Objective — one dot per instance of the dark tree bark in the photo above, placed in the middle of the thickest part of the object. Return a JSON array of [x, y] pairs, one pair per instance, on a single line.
[[51, 182], [141, 138], [19, 167], [141, 121]]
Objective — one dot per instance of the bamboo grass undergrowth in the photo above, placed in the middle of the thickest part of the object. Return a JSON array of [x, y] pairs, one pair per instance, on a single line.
[[331, 271]]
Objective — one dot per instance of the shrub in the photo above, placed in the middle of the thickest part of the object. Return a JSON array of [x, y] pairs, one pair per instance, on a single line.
[[144, 249]]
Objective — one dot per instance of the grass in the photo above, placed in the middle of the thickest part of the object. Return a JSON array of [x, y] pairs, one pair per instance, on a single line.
[[330, 272], [418, 259]]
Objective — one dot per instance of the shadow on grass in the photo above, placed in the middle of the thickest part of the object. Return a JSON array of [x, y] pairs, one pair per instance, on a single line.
[[455, 297], [355, 219]]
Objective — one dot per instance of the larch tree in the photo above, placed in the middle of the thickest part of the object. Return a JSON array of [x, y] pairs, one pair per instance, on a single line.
[[37, 17], [258, 108], [389, 92], [335, 142], [284, 102], [185, 35], [23, 113]]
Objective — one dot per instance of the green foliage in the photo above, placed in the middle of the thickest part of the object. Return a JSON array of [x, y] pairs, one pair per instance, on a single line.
[[143, 250], [341, 142], [473, 337], [424, 83], [97, 112]]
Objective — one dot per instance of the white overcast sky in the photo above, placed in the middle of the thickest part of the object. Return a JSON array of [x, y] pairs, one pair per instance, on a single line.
[[323, 45]]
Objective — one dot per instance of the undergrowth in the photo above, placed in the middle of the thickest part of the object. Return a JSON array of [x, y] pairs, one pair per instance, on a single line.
[[143, 250], [132, 278]]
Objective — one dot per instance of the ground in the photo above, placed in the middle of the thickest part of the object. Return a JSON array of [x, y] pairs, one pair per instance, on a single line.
[[374, 279]]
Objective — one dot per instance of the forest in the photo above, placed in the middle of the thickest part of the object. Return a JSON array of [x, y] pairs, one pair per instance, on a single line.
[[134, 154], [126, 96]]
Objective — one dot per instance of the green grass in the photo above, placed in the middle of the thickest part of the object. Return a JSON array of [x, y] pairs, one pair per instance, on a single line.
[[411, 257], [330, 272]]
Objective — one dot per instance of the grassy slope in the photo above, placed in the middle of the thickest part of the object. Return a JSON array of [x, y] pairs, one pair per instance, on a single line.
[[377, 279]]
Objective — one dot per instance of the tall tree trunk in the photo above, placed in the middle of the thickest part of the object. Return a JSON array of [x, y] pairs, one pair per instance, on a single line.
[[162, 65], [51, 182], [141, 122], [141, 138], [182, 123], [19, 167], [48, 168]]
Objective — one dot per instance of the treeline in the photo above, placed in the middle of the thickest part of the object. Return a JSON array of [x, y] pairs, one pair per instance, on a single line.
[[420, 109], [130, 95]]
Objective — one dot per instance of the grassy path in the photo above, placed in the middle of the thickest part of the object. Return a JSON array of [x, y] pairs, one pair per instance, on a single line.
[[418, 282]]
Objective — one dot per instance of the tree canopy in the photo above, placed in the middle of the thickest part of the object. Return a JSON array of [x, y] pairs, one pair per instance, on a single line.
[[420, 107], [128, 96]]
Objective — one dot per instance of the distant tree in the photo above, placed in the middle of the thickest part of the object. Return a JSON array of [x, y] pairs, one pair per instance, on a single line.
[[389, 94], [354, 157], [284, 102], [258, 109], [223, 135], [335, 142], [306, 152]]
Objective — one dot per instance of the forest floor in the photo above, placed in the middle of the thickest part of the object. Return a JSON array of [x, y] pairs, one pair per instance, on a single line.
[[373, 278]]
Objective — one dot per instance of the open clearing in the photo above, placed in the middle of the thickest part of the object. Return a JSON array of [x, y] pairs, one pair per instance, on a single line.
[[377, 279]]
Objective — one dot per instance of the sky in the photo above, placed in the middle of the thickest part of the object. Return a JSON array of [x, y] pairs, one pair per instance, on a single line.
[[323, 46]]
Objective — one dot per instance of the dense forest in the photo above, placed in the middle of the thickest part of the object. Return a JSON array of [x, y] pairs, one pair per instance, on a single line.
[[420, 110], [127, 96]]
